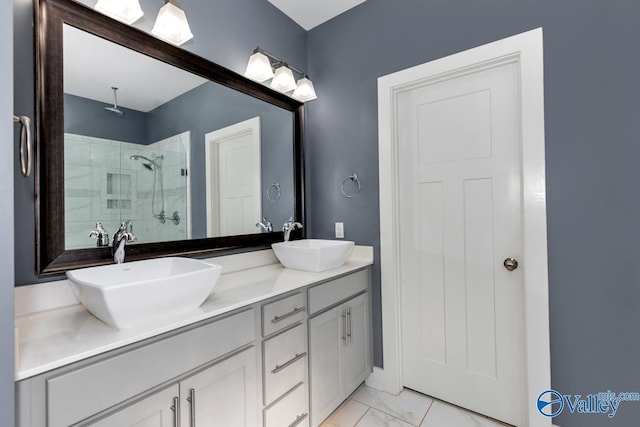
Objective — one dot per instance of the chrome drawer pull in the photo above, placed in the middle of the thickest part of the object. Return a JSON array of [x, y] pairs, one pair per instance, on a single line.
[[299, 419], [279, 368], [192, 399], [344, 326], [176, 412], [291, 313], [349, 325]]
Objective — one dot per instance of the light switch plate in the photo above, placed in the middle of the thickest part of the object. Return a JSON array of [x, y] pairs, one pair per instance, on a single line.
[[339, 230]]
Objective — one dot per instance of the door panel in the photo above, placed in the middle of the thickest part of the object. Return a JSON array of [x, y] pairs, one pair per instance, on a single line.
[[226, 394], [325, 342], [460, 203], [357, 351], [154, 411]]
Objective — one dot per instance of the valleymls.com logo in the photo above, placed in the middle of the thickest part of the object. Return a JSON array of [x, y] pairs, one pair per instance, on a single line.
[[551, 402]]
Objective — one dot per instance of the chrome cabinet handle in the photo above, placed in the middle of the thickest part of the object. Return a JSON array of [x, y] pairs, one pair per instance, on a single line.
[[295, 311], [299, 419], [349, 325], [25, 144], [192, 400], [176, 411], [344, 326], [297, 357]]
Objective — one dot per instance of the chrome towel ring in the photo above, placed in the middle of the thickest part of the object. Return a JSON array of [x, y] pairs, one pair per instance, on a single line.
[[353, 178], [25, 144], [274, 189]]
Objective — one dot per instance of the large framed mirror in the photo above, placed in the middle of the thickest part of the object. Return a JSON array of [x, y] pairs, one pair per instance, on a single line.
[[132, 128]]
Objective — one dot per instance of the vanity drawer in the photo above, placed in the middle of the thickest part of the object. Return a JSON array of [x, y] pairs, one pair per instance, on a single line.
[[282, 313], [80, 393], [291, 411], [335, 291], [285, 358]]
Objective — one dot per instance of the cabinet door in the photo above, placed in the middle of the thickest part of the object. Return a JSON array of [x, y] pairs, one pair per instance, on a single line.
[[156, 410], [357, 354], [327, 334], [224, 395]]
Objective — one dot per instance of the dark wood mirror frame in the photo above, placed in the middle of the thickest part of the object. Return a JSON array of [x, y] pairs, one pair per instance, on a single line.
[[51, 256]]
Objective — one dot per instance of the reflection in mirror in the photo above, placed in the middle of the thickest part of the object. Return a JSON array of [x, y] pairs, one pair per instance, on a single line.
[[179, 155]]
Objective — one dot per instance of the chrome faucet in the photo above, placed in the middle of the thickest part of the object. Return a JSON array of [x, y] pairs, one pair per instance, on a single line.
[[101, 236], [288, 227], [265, 226], [120, 238]]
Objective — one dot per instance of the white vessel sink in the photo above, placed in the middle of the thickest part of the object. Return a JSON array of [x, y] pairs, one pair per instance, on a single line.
[[313, 254], [125, 295]]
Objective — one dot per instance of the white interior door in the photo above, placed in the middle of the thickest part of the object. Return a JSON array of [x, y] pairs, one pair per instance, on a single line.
[[460, 206], [234, 201]]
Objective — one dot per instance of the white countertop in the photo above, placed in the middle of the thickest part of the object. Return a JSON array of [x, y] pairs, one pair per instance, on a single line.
[[49, 339]]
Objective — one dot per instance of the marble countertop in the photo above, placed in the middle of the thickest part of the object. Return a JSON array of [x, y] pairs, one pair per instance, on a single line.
[[50, 339]]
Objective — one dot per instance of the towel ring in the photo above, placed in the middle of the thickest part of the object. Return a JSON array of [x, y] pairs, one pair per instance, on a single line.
[[25, 144], [278, 192], [353, 178]]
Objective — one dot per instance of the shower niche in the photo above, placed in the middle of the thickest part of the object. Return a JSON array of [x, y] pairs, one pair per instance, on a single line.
[[111, 181]]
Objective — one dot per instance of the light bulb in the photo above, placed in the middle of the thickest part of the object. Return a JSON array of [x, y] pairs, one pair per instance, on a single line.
[[283, 80], [305, 90], [127, 11], [259, 67], [171, 25]]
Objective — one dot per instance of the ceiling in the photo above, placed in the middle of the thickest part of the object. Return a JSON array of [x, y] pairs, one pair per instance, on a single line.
[[93, 65], [311, 13]]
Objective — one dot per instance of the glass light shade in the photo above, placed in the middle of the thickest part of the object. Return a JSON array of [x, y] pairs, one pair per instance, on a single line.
[[259, 68], [283, 80], [127, 11], [171, 25], [305, 91]]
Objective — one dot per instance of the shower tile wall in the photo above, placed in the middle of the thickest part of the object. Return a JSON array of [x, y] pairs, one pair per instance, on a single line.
[[102, 184]]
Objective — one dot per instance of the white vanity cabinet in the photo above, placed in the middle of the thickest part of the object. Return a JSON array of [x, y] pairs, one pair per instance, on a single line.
[[339, 342], [216, 359], [220, 395], [285, 355], [284, 361]]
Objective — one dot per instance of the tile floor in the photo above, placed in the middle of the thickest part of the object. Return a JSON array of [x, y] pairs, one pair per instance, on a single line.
[[371, 408]]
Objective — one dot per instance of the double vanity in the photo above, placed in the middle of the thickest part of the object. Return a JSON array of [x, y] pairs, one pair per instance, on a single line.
[[163, 340], [270, 346]]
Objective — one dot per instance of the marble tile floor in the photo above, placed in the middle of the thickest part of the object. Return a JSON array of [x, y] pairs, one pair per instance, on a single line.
[[372, 408]]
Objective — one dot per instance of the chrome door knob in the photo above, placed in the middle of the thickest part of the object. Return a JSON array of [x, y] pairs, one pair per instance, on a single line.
[[510, 264]]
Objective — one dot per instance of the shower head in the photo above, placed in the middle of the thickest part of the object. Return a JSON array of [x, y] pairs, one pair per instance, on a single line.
[[149, 164], [115, 110]]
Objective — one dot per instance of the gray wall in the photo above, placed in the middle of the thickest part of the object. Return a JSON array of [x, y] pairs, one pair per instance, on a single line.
[[592, 153], [83, 116], [7, 144], [210, 107], [225, 32]]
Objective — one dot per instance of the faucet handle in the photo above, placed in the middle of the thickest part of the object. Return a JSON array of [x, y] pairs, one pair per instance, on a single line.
[[101, 236], [287, 224], [266, 225]]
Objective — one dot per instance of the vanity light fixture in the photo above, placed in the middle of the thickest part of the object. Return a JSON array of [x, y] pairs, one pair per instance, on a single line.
[[283, 80], [305, 91], [127, 11], [171, 24], [261, 68]]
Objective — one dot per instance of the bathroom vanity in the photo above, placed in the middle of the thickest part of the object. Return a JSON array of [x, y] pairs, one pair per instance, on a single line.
[[270, 347]]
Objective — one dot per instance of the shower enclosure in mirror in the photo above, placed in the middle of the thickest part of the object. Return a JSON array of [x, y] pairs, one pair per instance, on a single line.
[[132, 128]]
